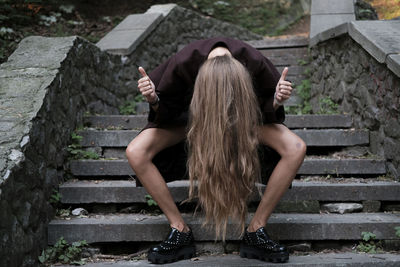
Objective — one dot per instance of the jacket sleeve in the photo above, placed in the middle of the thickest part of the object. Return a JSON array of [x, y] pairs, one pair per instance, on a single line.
[[266, 79], [170, 90]]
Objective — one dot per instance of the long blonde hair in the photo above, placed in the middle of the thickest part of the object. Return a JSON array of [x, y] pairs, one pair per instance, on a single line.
[[222, 141]]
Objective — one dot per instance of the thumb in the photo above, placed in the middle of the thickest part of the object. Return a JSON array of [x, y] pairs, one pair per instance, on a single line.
[[142, 71], [284, 73]]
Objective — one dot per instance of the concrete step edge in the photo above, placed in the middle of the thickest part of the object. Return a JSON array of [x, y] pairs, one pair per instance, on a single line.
[[123, 191], [139, 227], [312, 137], [347, 259], [311, 166], [292, 121]]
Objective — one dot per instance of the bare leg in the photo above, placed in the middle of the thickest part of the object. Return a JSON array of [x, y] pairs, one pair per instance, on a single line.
[[292, 150], [140, 153]]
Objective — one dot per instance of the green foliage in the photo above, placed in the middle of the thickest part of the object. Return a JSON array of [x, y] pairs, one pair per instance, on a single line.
[[129, 108], [63, 212], [150, 201], [397, 228], [260, 16], [55, 198], [303, 90], [75, 149], [369, 244], [64, 253], [367, 236], [327, 106], [302, 62]]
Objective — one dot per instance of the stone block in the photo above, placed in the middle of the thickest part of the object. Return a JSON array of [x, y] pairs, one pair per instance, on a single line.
[[133, 30], [342, 166], [107, 138], [378, 38], [116, 121], [329, 33], [393, 63], [163, 9], [320, 23], [305, 206], [30, 53], [318, 121], [115, 153], [371, 206], [334, 137], [136, 22], [327, 7], [341, 207]]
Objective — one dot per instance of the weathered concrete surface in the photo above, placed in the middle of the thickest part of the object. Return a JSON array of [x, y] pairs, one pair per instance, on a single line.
[[113, 138], [326, 7], [118, 138], [341, 207], [310, 166], [30, 146], [393, 63], [124, 38], [122, 191], [137, 227], [379, 38], [330, 33], [325, 15], [292, 121], [312, 260], [116, 121]]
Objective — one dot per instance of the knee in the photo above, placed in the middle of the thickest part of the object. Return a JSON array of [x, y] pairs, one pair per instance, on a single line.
[[296, 149], [137, 156]]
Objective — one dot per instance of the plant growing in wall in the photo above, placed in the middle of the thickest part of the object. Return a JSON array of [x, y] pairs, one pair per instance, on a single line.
[[129, 108], [64, 253], [369, 243], [75, 149]]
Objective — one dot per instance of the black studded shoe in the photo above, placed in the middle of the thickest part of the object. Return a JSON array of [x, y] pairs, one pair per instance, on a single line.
[[177, 246], [258, 245]]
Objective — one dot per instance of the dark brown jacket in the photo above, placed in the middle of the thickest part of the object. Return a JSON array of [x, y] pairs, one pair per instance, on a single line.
[[174, 81]]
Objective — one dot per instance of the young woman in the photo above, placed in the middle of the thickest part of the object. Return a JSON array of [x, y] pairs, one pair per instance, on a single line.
[[225, 98]]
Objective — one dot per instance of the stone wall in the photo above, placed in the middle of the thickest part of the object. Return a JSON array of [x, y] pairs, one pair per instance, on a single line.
[[45, 87], [344, 71]]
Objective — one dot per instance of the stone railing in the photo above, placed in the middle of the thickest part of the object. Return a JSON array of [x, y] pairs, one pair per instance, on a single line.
[[357, 65], [46, 86]]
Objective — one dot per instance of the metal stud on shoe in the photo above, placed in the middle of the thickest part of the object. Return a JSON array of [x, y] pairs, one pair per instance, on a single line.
[[258, 245], [177, 246]]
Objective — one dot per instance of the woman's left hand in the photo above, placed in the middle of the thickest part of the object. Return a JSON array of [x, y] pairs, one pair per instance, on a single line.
[[283, 88]]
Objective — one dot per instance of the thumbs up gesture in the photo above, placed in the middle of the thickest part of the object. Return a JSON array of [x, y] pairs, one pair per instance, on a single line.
[[283, 88], [147, 88]]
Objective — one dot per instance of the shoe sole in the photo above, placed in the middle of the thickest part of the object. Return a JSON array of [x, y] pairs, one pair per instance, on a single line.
[[254, 253], [182, 254]]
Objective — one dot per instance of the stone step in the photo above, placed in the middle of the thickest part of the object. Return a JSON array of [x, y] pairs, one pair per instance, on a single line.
[[122, 191], [129, 122], [347, 259], [324, 138], [311, 166], [142, 228]]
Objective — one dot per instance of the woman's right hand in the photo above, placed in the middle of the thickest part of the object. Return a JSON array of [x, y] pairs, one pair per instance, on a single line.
[[146, 87]]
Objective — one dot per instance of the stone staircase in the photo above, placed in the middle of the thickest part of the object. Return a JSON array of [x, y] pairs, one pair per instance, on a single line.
[[337, 169]]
